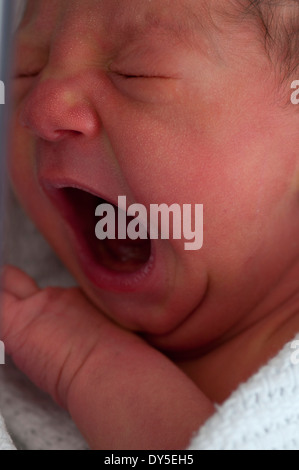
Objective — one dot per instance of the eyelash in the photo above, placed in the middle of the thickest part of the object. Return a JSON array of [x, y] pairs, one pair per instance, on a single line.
[[22, 77], [124, 76], [26, 75], [128, 77]]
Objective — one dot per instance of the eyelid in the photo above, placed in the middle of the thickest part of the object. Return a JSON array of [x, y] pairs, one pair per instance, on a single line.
[[29, 60], [137, 72], [146, 89], [129, 76], [26, 74]]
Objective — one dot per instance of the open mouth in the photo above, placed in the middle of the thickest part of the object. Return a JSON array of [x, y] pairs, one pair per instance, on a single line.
[[135, 272], [115, 255]]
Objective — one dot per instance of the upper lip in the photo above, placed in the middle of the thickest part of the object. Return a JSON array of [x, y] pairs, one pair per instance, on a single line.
[[86, 168], [51, 188]]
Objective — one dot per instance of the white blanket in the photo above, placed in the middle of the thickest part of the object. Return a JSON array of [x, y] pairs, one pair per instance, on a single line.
[[5, 440], [261, 414]]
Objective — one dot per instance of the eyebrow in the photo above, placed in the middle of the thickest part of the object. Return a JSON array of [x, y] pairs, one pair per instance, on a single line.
[[189, 29]]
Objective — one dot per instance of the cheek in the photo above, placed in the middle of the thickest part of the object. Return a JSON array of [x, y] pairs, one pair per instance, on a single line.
[[21, 161], [21, 165], [22, 158], [180, 155], [22, 172], [232, 159]]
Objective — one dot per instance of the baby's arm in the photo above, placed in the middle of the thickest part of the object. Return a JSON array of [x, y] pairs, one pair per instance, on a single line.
[[122, 393]]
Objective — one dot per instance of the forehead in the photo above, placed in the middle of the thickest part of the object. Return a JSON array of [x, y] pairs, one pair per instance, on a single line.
[[182, 20]]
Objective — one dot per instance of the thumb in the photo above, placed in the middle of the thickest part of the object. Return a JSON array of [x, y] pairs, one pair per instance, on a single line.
[[49, 333]]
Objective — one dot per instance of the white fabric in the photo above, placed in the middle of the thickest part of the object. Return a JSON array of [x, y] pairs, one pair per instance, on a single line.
[[5, 440], [33, 420], [261, 414]]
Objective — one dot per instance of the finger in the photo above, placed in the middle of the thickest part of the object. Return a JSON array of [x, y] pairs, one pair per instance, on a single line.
[[121, 393], [18, 283], [49, 335], [8, 304]]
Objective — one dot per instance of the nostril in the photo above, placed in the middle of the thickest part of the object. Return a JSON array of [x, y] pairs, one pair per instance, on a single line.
[[55, 110], [75, 133], [62, 134]]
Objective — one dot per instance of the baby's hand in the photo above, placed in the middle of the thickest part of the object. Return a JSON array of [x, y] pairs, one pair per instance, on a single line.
[[121, 393]]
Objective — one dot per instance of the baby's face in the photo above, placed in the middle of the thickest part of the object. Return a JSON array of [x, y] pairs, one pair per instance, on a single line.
[[154, 101]]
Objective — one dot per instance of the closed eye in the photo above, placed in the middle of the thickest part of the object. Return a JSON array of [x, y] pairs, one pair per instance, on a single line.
[[29, 74], [151, 88], [128, 77]]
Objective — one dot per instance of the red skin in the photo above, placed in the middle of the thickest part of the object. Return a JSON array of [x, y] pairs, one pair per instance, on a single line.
[[217, 132], [90, 373]]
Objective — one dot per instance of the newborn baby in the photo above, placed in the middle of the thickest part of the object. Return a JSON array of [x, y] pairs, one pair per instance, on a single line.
[[164, 102]]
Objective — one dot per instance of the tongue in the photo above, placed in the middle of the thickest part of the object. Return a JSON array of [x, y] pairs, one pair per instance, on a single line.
[[127, 251], [116, 255], [123, 255]]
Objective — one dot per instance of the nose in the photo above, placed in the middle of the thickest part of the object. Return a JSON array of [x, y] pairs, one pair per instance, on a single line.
[[58, 108]]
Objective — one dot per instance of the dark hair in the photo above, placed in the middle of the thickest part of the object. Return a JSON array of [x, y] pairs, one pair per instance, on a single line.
[[279, 22], [278, 26]]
